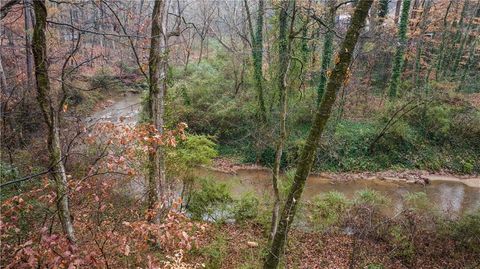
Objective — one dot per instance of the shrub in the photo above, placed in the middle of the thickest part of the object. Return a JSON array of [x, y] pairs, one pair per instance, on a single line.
[[195, 150], [7, 172], [212, 201], [466, 231], [370, 197], [104, 80], [246, 207], [404, 248], [365, 216], [328, 209]]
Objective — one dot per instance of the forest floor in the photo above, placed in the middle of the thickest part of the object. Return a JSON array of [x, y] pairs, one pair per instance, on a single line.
[[243, 246]]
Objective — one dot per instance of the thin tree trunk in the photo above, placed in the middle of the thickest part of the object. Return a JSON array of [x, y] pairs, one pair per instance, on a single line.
[[3, 79], [397, 10], [468, 65], [448, 57], [418, 56], [257, 55], [200, 55], [51, 116], [463, 42], [398, 60], [327, 51], [307, 155], [158, 194], [284, 57], [440, 55], [28, 42]]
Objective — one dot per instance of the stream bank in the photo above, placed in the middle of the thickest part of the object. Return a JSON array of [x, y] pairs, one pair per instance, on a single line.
[[454, 194]]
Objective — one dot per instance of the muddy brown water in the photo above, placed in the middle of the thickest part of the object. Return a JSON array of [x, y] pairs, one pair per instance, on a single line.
[[452, 198], [125, 108], [449, 194]]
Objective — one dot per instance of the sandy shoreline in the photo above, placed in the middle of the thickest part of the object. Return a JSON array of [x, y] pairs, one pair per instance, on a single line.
[[409, 176]]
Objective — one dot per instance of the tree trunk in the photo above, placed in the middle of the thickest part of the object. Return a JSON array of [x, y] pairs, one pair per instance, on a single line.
[[441, 52], [460, 51], [3, 79], [470, 63], [397, 10], [418, 54], [257, 55], [383, 9], [399, 60], [327, 51], [28, 42], [283, 63], [51, 117], [448, 57], [307, 155], [158, 194]]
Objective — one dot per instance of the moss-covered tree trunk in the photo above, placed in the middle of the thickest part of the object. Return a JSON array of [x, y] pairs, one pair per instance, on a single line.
[[327, 50], [398, 60], [464, 41], [256, 36], [469, 65], [419, 48], [336, 79], [383, 9], [448, 56], [441, 51], [158, 190], [51, 116], [283, 63]]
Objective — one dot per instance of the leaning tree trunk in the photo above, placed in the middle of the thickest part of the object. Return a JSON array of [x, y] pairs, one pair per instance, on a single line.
[[339, 74], [283, 56], [399, 60], [51, 116], [158, 193]]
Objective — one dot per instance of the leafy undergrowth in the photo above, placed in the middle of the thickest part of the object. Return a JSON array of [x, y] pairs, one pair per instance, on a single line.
[[231, 248]]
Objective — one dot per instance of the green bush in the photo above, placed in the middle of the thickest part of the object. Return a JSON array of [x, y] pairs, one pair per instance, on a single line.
[[194, 151], [246, 207], [212, 201], [370, 197], [418, 201], [328, 209]]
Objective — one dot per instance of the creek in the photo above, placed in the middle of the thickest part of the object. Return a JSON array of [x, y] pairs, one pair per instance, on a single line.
[[451, 195]]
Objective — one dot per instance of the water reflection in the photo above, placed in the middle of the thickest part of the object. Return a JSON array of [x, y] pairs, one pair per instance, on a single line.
[[452, 198]]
